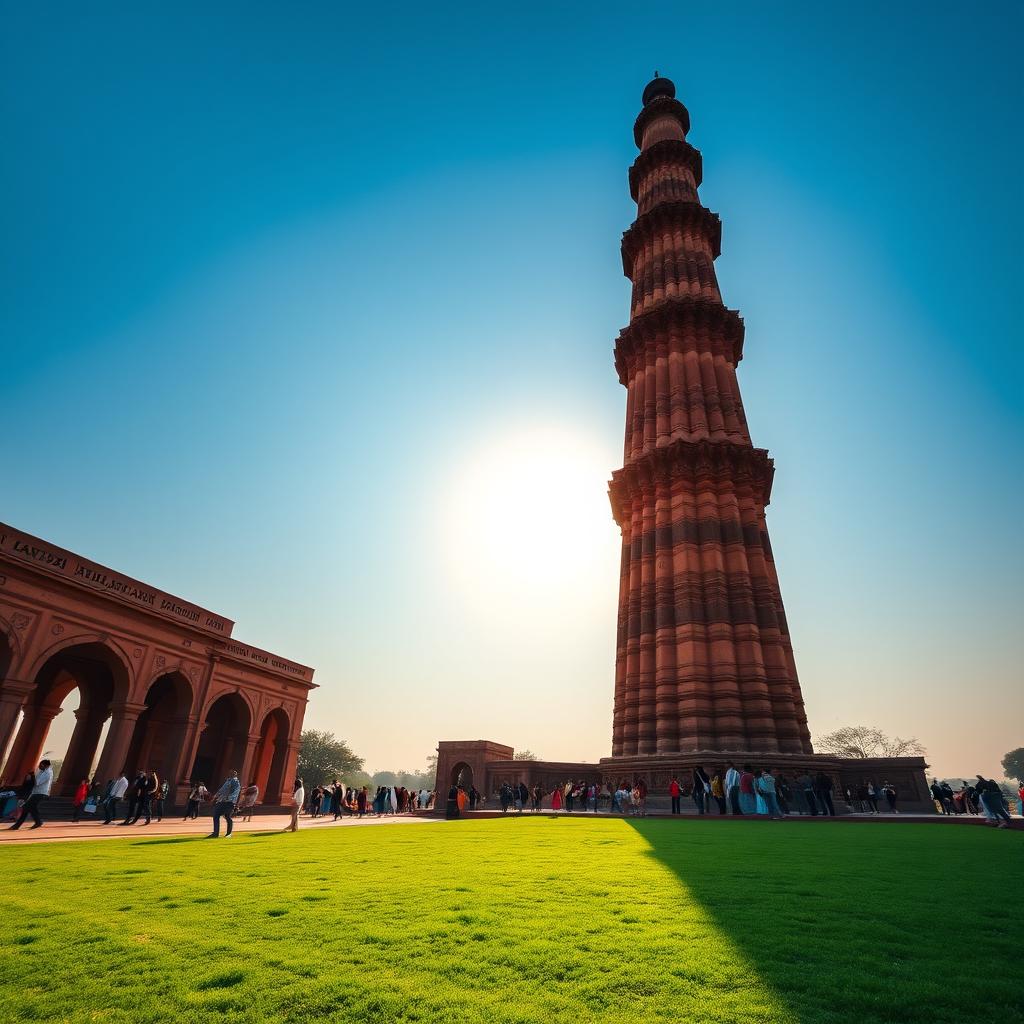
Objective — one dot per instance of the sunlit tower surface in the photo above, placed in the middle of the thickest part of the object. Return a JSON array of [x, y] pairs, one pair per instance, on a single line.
[[703, 653]]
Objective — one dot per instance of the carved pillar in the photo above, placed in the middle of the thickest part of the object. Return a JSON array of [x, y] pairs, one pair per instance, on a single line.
[[28, 747], [180, 777], [249, 760], [13, 693], [123, 717], [81, 750], [291, 769]]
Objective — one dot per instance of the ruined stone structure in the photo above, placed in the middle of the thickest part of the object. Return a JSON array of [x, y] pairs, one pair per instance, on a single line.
[[162, 685], [704, 672]]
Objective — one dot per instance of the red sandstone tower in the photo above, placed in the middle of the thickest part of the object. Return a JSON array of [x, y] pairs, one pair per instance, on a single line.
[[703, 656]]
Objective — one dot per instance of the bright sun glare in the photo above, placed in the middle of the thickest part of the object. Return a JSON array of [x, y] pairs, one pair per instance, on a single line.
[[528, 512]]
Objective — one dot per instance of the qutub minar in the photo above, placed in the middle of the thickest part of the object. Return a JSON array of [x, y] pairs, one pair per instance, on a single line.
[[704, 667]]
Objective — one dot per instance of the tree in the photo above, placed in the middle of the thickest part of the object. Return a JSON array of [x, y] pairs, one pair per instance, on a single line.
[[1013, 764], [525, 755], [323, 757], [864, 741]]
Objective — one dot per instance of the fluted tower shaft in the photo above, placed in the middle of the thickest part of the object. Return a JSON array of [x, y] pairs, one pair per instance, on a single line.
[[703, 655]]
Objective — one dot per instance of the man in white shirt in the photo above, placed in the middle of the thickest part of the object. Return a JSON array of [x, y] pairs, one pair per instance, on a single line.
[[732, 788], [117, 790], [40, 791]]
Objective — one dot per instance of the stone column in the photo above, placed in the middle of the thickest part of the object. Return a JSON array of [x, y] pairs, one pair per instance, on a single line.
[[191, 733], [28, 747], [13, 693], [123, 716], [81, 750], [248, 761], [290, 771]]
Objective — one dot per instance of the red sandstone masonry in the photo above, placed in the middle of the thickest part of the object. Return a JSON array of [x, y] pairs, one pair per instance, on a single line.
[[703, 660]]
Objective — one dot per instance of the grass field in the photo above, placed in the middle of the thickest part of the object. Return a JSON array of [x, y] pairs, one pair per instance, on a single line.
[[519, 921]]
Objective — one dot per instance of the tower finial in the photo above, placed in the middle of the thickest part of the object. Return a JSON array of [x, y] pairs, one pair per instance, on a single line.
[[658, 86]]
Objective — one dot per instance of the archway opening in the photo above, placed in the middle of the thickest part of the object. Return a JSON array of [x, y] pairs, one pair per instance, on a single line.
[[99, 677], [222, 741], [272, 756], [160, 731], [462, 775]]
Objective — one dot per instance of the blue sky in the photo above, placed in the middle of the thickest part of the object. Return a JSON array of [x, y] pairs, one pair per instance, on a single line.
[[278, 283]]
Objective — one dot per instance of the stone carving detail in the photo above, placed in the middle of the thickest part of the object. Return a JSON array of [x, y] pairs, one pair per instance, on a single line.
[[137, 652], [57, 629], [19, 621]]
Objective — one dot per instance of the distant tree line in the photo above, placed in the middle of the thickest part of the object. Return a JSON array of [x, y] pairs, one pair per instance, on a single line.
[[323, 758]]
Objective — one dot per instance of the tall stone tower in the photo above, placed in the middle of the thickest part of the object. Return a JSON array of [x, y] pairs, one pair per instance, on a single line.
[[703, 656]]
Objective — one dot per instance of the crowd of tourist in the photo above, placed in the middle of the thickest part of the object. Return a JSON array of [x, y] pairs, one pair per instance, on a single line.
[[338, 800], [723, 790], [740, 791], [982, 797]]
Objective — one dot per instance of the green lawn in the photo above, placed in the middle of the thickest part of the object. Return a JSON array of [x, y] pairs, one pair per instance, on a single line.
[[517, 920]]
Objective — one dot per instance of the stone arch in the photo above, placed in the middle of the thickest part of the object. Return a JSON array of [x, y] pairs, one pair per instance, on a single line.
[[222, 741], [98, 640], [160, 731], [100, 673], [271, 757], [461, 775]]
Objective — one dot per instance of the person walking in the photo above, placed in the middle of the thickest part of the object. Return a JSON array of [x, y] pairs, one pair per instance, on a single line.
[[196, 796], [992, 800], [118, 788], [766, 792], [224, 801], [251, 793], [149, 792], [823, 791], [160, 799], [805, 785], [135, 790], [298, 799], [701, 788], [675, 791], [41, 782], [732, 788]]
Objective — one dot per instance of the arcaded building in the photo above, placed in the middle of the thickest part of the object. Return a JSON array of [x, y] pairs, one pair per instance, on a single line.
[[162, 684]]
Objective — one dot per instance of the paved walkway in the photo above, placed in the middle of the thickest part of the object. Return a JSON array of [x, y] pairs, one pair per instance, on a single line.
[[68, 831]]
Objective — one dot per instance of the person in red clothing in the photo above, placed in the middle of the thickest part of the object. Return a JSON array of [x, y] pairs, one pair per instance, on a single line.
[[81, 795], [675, 791]]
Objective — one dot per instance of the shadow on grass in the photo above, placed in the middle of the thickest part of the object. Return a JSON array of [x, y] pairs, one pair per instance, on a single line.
[[169, 841], [856, 925]]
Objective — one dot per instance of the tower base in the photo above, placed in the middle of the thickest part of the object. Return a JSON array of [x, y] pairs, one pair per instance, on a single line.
[[490, 765]]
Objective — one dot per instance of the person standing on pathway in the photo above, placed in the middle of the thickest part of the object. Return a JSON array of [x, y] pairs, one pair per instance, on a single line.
[[224, 801], [298, 799], [675, 791], [118, 788], [40, 791], [732, 788]]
